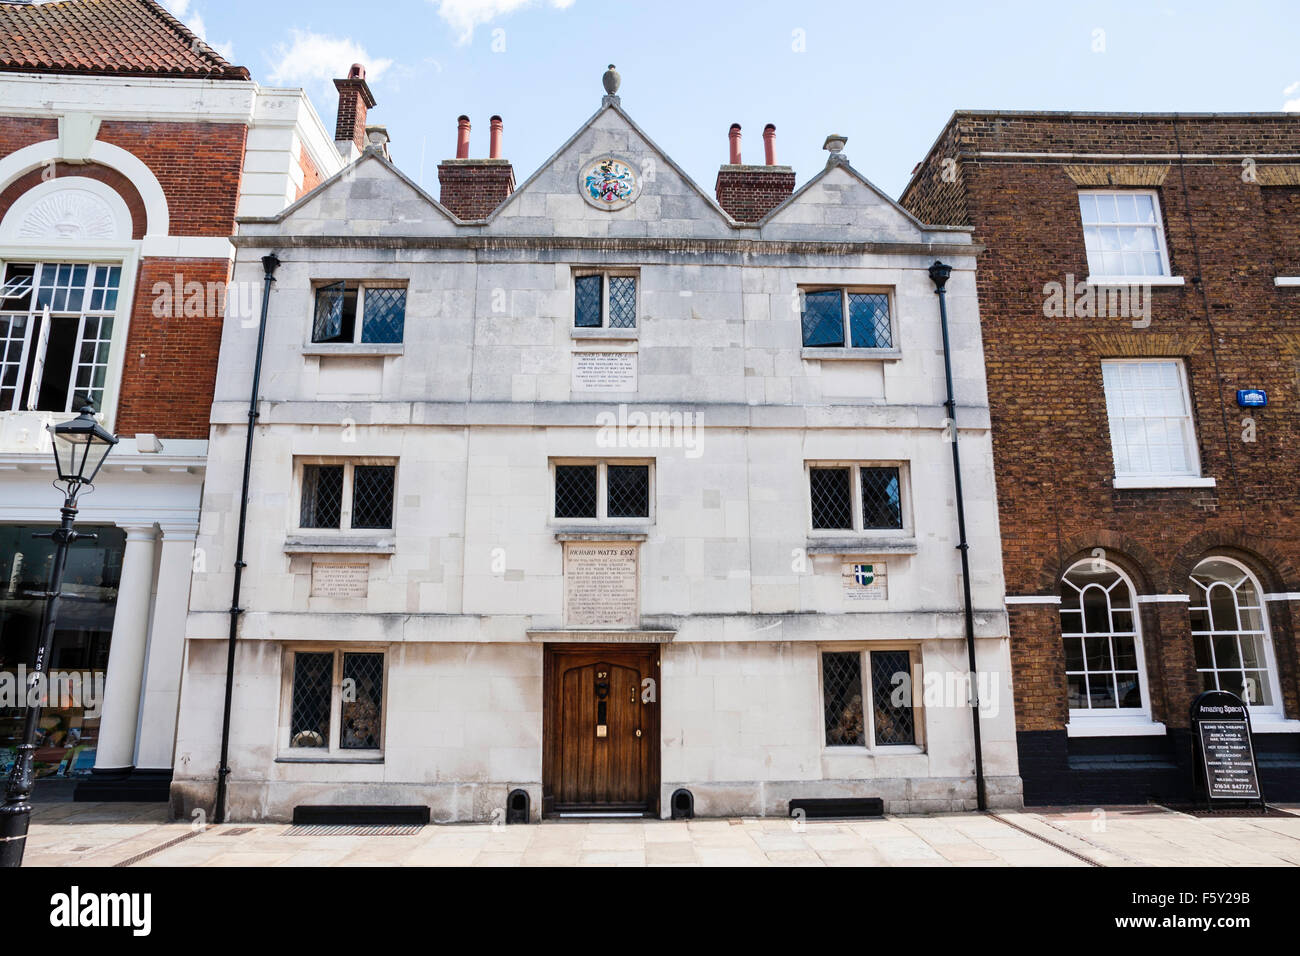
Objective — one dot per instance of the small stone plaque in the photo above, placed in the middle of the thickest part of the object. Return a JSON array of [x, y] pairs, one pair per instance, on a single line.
[[865, 582], [601, 584], [604, 372], [339, 580]]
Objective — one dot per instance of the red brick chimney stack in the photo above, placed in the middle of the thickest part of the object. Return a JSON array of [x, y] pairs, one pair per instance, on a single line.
[[355, 99], [472, 188], [749, 193]]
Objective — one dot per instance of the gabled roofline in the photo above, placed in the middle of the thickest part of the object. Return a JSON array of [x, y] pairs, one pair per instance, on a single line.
[[725, 216], [846, 165], [370, 152]]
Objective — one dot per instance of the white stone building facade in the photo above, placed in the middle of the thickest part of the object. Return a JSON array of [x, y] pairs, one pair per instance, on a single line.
[[598, 540]]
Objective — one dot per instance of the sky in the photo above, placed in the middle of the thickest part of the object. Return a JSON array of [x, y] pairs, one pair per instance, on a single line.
[[885, 75]]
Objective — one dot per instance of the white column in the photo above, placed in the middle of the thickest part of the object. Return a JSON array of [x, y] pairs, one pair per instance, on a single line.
[[122, 682], [162, 682]]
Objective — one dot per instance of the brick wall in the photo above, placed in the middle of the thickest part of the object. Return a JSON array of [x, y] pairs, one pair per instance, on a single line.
[[472, 188], [311, 177], [749, 193], [171, 353], [1233, 329]]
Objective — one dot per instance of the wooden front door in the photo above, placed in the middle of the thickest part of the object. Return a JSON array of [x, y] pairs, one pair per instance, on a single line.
[[601, 728]]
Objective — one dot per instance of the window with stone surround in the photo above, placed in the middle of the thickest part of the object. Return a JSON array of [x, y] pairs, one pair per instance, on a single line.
[[1152, 434], [602, 491], [1104, 667], [1230, 634], [346, 494], [334, 701], [604, 299], [846, 317], [870, 695], [56, 329], [381, 307], [855, 496], [1123, 233]]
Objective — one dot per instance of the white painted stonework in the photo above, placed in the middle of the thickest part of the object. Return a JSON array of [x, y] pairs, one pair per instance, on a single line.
[[477, 402], [154, 495]]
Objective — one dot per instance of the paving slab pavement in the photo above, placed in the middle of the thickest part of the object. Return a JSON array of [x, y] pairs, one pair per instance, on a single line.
[[116, 834]]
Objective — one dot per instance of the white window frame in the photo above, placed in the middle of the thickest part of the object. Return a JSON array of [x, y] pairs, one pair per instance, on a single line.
[[1115, 716], [602, 518], [1152, 479], [604, 328], [362, 286], [332, 749], [345, 507], [1099, 277], [28, 386], [869, 710], [855, 492], [1275, 709]]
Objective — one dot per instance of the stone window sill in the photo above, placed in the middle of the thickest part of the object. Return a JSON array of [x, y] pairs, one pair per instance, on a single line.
[[331, 544], [1273, 724], [617, 334], [626, 533], [364, 757], [850, 355], [1164, 481], [861, 546], [1117, 281], [363, 350], [1287, 281], [1140, 726], [884, 750]]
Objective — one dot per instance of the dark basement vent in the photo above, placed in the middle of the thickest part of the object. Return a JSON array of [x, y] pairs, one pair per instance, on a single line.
[[839, 807], [361, 816]]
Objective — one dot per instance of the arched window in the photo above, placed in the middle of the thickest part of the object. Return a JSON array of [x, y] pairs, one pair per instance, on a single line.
[[1230, 633], [1104, 672]]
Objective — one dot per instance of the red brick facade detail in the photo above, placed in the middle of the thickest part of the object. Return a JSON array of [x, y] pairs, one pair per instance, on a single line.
[[171, 353], [104, 174], [1228, 236], [472, 188], [748, 193], [311, 177], [19, 131]]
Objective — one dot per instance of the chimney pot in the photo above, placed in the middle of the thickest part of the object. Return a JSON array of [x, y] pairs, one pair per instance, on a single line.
[[358, 72], [462, 137], [494, 143], [734, 136], [769, 144]]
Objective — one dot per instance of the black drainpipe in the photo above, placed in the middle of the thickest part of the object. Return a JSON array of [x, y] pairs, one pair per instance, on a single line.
[[269, 263], [939, 274]]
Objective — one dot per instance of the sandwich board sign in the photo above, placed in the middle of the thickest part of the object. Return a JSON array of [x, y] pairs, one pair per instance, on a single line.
[[1225, 754]]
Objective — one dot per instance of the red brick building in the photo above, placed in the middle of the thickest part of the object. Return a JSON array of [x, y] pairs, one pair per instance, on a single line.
[[117, 203], [1139, 293]]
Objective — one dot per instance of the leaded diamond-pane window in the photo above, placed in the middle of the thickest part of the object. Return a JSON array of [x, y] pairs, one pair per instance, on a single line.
[[362, 701], [575, 491], [622, 302], [335, 313], [322, 496], [372, 496], [882, 505], [823, 319], [832, 506], [842, 697], [587, 302], [891, 697], [869, 320], [629, 491], [313, 679], [384, 315]]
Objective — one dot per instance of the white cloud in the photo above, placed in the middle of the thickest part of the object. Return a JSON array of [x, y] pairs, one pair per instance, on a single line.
[[465, 15], [182, 11], [1292, 106], [313, 60]]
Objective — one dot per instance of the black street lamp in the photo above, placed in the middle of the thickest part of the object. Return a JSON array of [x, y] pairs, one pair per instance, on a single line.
[[80, 447]]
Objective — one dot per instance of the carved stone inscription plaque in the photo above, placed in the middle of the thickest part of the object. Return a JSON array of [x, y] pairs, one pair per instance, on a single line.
[[601, 584]]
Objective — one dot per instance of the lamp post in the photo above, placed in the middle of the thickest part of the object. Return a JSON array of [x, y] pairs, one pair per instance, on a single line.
[[80, 447]]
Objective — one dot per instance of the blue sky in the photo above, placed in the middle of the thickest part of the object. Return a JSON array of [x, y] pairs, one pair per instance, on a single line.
[[887, 76]]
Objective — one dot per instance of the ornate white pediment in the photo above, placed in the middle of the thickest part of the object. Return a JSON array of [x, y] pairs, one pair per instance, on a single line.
[[69, 209]]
